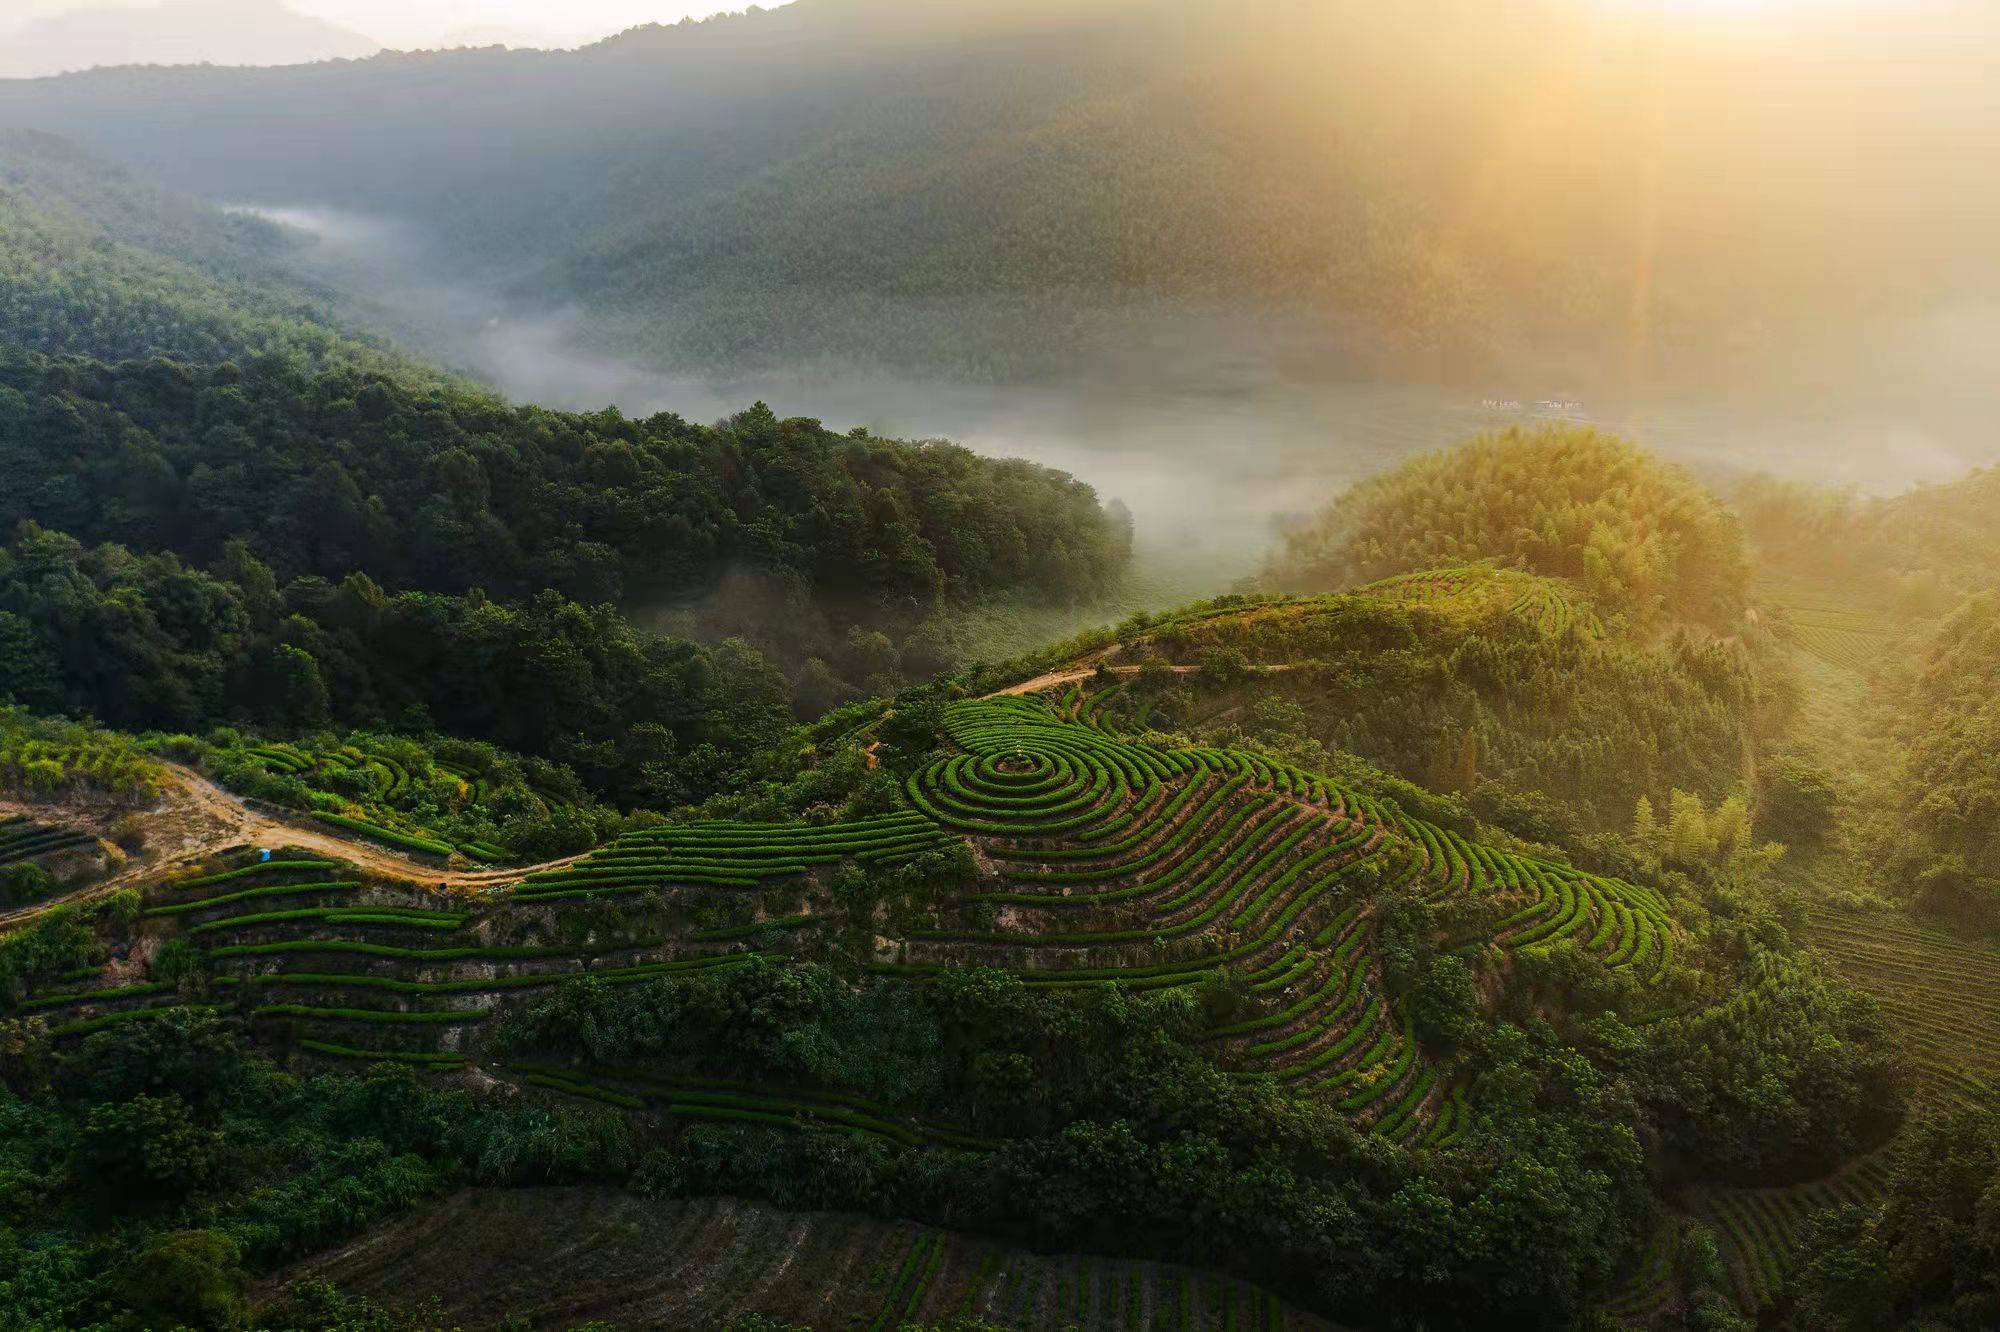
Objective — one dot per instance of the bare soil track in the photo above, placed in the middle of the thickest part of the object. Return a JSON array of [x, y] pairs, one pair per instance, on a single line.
[[1072, 674]]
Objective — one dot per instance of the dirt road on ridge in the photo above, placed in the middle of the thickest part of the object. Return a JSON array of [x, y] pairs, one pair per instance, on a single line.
[[196, 818], [1072, 674]]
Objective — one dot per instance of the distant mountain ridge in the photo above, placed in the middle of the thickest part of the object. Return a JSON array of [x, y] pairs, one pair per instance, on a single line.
[[178, 32], [1441, 190]]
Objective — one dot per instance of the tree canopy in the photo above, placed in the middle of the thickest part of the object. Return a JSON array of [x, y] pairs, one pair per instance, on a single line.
[[1638, 535]]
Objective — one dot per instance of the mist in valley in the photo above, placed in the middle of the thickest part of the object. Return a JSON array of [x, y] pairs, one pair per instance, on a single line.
[[1218, 434]]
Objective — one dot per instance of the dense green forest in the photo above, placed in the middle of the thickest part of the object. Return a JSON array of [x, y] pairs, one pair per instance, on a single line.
[[168, 386], [828, 548], [145, 642], [334, 472]]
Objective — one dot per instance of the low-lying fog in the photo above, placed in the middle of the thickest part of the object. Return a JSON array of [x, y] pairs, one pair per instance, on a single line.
[[1214, 458]]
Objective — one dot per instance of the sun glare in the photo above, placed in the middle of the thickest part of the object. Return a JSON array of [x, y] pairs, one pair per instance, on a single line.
[[1713, 8]]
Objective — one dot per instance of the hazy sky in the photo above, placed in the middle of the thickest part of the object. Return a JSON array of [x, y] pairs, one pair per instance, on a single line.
[[424, 22]]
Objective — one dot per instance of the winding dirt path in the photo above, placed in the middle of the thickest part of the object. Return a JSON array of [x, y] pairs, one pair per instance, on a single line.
[[195, 818]]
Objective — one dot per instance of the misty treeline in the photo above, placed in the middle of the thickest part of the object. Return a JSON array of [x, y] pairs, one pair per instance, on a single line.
[[1922, 570], [431, 488], [996, 189], [1917, 554]]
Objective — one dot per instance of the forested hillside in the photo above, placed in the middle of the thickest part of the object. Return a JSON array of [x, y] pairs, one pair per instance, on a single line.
[[999, 189], [166, 385], [1948, 708], [1888, 604], [1907, 556], [97, 262], [330, 472]]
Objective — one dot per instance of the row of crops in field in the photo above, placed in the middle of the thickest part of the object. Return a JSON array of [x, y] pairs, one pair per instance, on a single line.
[[1941, 991], [1119, 862], [1839, 636], [697, 1263], [746, 1103], [1545, 603], [1650, 1284], [351, 968], [731, 855], [920, 1276], [22, 838]]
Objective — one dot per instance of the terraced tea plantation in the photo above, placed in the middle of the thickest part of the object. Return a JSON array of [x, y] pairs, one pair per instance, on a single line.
[[1761, 1231], [1116, 862], [561, 1256], [1845, 638], [24, 839], [1941, 991], [41, 859], [1104, 861], [1545, 603], [345, 967], [731, 855]]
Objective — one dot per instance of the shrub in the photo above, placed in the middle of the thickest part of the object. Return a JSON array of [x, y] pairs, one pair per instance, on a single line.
[[129, 832], [1445, 1004], [24, 882], [147, 1149], [1798, 804], [191, 1278]]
